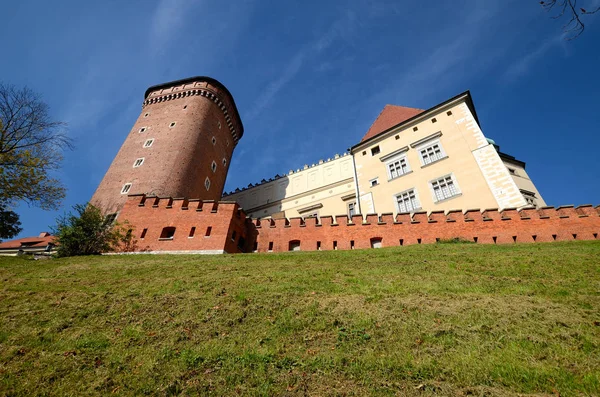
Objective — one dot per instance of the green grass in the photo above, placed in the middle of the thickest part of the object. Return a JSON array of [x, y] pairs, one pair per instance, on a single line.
[[445, 319]]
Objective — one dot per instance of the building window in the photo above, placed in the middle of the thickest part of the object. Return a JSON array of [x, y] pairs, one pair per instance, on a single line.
[[126, 188], [143, 233], [143, 129], [172, 125], [376, 242], [351, 208], [408, 201], [432, 153], [147, 114], [512, 171], [148, 143], [214, 140], [192, 231], [375, 151], [208, 231], [219, 124], [294, 245], [224, 162], [138, 162], [270, 246], [207, 183], [374, 182], [397, 167], [167, 233], [110, 218], [529, 197], [444, 188], [213, 167]]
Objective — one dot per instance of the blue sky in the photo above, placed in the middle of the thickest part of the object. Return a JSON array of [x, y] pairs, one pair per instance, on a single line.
[[310, 77]]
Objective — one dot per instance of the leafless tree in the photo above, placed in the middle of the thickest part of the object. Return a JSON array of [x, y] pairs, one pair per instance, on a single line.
[[568, 8], [31, 146]]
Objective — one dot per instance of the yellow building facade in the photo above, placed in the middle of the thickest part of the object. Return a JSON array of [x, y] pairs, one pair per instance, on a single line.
[[410, 160]]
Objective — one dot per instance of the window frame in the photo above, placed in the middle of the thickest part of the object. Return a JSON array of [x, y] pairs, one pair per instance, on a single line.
[[126, 188], [430, 144], [398, 158], [141, 160], [417, 199], [145, 146], [207, 183], [213, 166], [457, 190]]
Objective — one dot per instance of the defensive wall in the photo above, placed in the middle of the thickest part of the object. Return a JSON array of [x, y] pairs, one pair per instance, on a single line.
[[178, 225]]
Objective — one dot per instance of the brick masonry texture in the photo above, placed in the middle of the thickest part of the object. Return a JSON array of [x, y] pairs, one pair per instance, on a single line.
[[488, 226], [180, 157]]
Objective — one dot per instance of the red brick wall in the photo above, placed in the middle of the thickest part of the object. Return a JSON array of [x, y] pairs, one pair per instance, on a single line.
[[487, 227], [549, 224], [180, 157], [154, 214]]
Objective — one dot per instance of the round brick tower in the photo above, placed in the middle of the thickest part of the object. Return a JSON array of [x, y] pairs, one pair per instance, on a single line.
[[180, 146]]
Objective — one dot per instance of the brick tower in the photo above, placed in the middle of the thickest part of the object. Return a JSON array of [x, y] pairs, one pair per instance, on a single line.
[[180, 146]]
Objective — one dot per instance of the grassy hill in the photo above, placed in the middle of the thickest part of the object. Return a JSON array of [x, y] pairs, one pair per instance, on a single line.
[[444, 319]]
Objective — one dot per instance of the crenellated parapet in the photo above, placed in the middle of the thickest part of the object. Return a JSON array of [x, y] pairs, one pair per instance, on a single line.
[[204, 226], [202, 86]]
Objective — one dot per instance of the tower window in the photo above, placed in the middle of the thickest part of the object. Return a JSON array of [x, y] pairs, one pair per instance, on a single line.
[[143, 129], [214, 140], [224, 162], [148, 143], [138, 162], [213, 167], [185, 107], [207, 183], [126, 188], [219, 124], [172, 125], [147, 114]]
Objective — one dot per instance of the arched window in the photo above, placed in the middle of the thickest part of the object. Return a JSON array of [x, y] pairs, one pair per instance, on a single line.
[[294, 245]]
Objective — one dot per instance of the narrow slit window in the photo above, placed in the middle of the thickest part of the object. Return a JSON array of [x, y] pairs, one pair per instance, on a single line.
[[138, 162], [207, 183], [270, 246], [143, 233], [213, 167], [214, 140], [208, 231], [126, 188], [172, 124], [192, 231], [143, 129], [148, 143]]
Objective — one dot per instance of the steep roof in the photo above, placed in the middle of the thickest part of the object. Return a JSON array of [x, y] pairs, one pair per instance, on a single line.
[[28, 242], [390, 116]]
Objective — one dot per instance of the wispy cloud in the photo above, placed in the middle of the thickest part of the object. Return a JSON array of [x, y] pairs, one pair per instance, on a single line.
[[167, 20], [523, 65], [341, 28]]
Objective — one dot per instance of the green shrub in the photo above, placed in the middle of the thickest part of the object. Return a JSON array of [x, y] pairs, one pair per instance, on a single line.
[[88, 232]]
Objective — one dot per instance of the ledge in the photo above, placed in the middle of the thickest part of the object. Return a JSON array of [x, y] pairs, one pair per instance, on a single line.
[[394, 153], [424, 140]]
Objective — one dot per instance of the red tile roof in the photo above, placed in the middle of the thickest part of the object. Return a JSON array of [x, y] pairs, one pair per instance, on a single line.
[[28, 242], [390, 116]]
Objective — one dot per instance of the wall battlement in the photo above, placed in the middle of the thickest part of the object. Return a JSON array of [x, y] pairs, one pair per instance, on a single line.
[[205, 226]]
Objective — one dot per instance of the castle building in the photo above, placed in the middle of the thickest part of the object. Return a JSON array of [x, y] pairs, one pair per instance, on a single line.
[[180, 146], [417, 176], [409, 160]]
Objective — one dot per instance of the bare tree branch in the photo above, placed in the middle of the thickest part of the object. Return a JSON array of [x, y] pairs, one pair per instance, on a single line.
[[575, 26]]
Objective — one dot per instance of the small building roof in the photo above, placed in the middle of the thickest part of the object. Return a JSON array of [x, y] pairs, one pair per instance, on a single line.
[[29, 242], [390, 116]]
